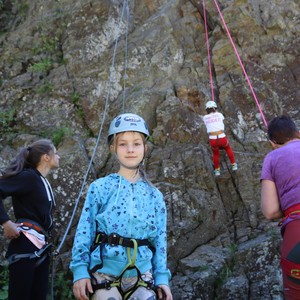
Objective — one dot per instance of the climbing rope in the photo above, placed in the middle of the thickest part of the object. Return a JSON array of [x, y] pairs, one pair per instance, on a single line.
[[237, 55], [125, 57], [100, 130], [208, 53], [56, 252]]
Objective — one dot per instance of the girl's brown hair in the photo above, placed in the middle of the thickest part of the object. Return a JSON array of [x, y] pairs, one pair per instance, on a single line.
[[28, 157]]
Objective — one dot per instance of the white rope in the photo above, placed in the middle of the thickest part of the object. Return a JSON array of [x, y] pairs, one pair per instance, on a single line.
[[100, 131], [125, 58]]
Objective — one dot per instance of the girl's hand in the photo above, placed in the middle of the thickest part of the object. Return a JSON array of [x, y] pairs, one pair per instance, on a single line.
[[11, 230], [164, 293], [82, 288]]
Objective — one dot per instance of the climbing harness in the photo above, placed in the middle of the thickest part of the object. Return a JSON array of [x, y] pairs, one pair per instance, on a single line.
[[292, 269], [30, 224], [291, 265], [113, 240], [216, 133], [236, 53], [292, 212], [41, 254]]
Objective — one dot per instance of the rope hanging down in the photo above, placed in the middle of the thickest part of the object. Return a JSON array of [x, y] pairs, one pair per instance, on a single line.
[[238, 57], [208, 53], [125, 6], [101, 128], [56, 252], [125, 57]]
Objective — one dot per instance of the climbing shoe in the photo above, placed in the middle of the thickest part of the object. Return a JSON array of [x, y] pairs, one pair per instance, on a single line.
[[234, 167], [217, 172]]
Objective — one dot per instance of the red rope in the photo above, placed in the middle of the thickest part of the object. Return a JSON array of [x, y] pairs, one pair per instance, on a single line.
[[208, 54], [241, 64]]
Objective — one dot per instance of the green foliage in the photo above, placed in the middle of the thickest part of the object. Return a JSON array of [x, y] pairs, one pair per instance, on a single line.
[[75, 98], [3, 283], [7, 118], [63, 286], [203, 268], [48, 44], [80, 113], [255, 147], [233, 248], [44, 65], [44, 88], [59, 134], [22, 8], [223, 275], [151, 139], [227, 270]]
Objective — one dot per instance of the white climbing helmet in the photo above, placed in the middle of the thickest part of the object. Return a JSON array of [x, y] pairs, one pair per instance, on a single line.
[[211, 104], [127, 122]]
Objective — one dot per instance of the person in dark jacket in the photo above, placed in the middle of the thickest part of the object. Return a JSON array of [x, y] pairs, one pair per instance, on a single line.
[[24, 180]]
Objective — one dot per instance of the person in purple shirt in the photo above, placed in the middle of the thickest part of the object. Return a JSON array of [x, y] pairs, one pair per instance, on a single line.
[[280, 196]]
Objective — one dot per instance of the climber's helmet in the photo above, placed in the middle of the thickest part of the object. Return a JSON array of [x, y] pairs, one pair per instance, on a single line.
[[127, 122], [211, 104]]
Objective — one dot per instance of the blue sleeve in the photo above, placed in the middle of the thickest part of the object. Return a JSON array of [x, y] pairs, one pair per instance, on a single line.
[[160, 271], [85, 235]]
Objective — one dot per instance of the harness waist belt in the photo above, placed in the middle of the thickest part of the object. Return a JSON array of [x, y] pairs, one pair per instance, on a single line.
[[216, 132], [291, 212], [293, 209], [115, 239], [33, 225], [39, 254]]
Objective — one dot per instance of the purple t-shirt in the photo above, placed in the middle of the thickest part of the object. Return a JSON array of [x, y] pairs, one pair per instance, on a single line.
[[282, 166]]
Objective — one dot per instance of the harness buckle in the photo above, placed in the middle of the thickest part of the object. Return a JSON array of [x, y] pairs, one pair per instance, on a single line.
[[36, 254], [107, 284], [114, 239], [295, 273]]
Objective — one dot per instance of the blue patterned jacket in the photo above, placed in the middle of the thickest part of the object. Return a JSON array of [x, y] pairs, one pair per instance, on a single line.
[[132, 210]]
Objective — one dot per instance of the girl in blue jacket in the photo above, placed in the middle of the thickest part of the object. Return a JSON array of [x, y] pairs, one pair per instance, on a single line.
[[120, 246]]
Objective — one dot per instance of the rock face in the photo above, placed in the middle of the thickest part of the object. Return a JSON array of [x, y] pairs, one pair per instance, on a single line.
[[68, 67]]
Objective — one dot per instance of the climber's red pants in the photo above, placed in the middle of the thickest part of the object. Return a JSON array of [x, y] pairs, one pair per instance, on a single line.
[[216, 145], [290, 260]]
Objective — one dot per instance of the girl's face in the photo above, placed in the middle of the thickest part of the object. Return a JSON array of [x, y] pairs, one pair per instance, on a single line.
[[129, 148], [53, 159]]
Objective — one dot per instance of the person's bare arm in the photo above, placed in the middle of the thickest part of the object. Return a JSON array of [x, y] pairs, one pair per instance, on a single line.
[[270, 204]]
